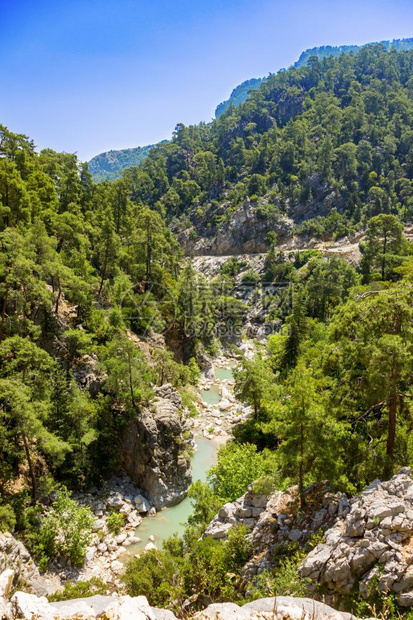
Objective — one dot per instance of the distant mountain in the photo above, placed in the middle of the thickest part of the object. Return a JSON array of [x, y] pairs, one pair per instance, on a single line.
[[240, 93], [327, 50], [109, 166]]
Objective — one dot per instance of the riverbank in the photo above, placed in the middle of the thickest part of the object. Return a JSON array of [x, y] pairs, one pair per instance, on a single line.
[[144, 528]]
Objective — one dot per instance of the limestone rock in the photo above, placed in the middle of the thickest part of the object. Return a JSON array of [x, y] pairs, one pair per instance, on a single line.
[[376, 532], [152, 450], [136, 608], [280, 607], [14, 556], [277, 520], [6, 582], [142, 504], [27, 607]]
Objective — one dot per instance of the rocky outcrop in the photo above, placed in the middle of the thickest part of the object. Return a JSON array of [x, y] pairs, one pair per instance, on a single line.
[[244, 511], [371, 547], [244, 231], [17, 566], [156, 447], [278, 520], [88, 375], [28, 607]]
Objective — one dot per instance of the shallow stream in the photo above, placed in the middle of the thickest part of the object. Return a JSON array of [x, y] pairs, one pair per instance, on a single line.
[[173, 519]]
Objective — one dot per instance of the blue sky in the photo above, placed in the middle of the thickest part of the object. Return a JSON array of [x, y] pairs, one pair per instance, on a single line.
[[87, 76]]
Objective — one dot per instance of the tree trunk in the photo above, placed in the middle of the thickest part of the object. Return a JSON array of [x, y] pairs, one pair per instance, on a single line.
[[383, 259], [56, 308], [391, 433], [31, 469], [131, 381], [3, 314], [105, 266], [301, 468]]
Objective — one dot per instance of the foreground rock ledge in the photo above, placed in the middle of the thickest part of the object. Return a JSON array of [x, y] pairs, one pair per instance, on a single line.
[[29, 607], [372, 545]]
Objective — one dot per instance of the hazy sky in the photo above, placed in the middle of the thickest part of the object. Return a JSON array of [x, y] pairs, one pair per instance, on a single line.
[[87, 76]]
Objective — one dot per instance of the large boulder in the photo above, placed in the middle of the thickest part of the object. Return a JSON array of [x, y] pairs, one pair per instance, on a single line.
[[280, 607], [372, 546], [29, 607], [155, 450]]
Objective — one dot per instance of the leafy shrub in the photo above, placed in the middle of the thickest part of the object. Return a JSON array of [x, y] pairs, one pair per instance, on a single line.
[[7, 518], [152, 575], [65, 531], [115, 522], [238, 465], [80, 589], [283, 580], [250, 277], [233, 267]]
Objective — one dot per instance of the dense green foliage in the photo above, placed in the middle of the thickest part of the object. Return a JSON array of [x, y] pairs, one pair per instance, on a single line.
[[337, 374], [64, 532], [184, 568]]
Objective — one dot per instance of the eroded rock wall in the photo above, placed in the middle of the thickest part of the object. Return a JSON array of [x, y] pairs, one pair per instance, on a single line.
[[156, 448]]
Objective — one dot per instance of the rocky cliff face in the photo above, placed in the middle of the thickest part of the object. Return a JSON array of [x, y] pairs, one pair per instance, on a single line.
[[17, 561], [156, 448], [244, 231], [372, 547]]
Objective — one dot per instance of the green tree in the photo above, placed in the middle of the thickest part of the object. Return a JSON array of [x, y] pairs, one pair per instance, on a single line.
[[129, 375], [238, 466], [309, 437], [370, 357], [253, 383], [384, 244]]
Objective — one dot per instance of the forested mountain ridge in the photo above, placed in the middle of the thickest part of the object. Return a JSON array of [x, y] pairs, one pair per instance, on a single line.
[[317, 149], [331, 50], [240, 93]]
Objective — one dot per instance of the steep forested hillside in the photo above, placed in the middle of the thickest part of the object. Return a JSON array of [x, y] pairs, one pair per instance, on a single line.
[[76, 261]]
